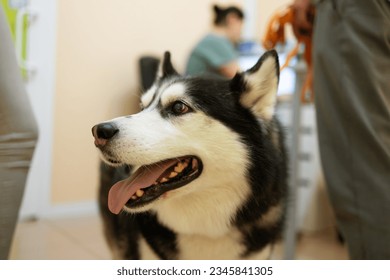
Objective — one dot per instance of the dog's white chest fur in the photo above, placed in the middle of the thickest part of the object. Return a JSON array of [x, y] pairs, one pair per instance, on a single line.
[[209, 212], [203, 230], [196, 247]]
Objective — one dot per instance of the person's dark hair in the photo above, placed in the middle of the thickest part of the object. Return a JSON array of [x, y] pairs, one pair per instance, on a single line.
[[221, 14]]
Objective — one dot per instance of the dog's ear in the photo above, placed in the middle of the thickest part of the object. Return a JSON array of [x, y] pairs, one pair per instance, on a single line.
[[257, 87], [166, 68]]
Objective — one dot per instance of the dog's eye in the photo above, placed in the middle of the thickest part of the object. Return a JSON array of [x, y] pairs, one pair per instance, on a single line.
[[179, 108]]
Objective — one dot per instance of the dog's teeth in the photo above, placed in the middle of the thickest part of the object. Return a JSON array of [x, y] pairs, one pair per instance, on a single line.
[[140, 193], [179, 167], [173, 174], [163, 180], [133, 197]]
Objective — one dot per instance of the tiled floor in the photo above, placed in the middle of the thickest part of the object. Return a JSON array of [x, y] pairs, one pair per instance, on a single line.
[[82, 238]]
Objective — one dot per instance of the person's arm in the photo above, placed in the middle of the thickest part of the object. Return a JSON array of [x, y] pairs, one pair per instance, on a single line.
[[230, 69], [301, 19], [221, 56]]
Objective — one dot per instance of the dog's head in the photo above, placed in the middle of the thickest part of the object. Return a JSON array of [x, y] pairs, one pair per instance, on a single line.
[[188, 137]]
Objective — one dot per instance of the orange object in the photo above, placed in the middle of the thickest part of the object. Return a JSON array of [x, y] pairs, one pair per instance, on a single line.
[[275, 33]]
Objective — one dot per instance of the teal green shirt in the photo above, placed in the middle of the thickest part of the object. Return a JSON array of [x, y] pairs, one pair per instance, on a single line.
[[209, 54]]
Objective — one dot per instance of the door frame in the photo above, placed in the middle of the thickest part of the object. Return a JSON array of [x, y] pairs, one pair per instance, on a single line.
[[40, 85]]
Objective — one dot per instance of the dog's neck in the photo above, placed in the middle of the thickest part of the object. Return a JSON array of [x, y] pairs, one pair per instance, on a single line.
[[209, 213]]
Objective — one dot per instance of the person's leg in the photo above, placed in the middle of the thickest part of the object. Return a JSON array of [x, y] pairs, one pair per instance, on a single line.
[[18, 135], [352, 96]]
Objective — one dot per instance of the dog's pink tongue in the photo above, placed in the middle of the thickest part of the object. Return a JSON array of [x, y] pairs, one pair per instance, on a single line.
[[144, 177]]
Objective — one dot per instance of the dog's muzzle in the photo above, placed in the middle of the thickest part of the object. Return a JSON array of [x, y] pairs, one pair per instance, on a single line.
[[103, 133]]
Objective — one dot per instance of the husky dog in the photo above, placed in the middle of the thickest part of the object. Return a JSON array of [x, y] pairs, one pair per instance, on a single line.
[[209, 178]]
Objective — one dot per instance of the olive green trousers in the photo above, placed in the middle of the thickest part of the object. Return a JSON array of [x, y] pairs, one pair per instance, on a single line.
[[351, 57]]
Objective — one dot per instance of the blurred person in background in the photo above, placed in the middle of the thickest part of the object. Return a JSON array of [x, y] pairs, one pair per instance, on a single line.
[[216, 54], [351, 58]]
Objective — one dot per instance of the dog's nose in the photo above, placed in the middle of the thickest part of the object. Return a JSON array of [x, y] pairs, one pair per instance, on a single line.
[[103, 132]]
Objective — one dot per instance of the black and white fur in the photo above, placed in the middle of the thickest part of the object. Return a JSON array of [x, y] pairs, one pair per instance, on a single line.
[[235, 209]]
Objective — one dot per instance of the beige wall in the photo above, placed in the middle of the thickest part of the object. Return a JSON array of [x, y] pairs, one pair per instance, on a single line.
[[99, 43]]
